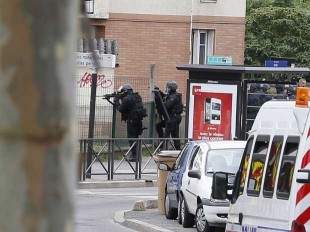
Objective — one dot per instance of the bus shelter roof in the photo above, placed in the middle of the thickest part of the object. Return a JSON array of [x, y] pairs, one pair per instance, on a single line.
[[241, 69]]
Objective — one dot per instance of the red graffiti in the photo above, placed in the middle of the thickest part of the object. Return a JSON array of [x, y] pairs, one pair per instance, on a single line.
[[101, 81]]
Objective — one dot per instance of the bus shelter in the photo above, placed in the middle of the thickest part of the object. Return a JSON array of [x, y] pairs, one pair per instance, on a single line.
[[222, 101]]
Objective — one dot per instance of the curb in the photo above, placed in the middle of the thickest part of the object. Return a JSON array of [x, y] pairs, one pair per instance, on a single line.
[[119, 217], [116, 184]]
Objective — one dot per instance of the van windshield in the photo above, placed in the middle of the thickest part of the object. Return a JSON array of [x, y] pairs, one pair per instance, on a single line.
[[224, 160]]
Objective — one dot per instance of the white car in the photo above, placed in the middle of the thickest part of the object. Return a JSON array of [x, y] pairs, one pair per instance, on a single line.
[[196, 205]]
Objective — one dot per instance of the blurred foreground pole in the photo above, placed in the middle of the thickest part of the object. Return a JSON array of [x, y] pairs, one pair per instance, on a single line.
[[37, 158], [91, 124]]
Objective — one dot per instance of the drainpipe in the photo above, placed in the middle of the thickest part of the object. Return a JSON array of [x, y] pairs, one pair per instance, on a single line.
[[190, 31]]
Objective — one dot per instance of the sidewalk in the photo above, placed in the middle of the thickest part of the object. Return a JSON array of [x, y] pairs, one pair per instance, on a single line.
[[149, 221]]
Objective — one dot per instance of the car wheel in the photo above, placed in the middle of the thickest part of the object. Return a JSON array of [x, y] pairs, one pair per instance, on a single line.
[[200, 220], [188, 219], [171, 213], [179, 210]]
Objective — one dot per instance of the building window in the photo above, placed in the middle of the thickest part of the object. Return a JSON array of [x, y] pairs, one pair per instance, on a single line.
[[203, 43], [89, 6]]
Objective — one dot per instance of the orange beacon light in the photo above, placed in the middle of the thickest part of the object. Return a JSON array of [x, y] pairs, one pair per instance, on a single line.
[[302, 97]]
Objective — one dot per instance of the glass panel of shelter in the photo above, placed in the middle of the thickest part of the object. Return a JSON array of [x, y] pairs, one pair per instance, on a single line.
[[260, 92]]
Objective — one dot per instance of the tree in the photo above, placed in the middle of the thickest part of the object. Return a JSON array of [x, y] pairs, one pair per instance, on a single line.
[[277, 29], [36, 99]]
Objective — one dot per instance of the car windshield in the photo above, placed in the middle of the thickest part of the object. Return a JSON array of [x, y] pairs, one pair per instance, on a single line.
[[224, 160]]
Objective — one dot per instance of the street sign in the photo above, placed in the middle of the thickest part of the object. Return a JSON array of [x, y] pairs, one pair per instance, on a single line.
[[219, 60], [276, 63]]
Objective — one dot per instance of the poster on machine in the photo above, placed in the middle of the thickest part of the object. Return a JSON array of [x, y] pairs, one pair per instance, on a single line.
[[212, 111]]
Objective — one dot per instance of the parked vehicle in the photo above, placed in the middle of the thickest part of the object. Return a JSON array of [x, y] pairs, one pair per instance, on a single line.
[[272, 187], [196, 204], [174, 179]]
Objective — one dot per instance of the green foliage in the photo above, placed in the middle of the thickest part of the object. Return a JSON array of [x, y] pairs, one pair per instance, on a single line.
[[284, 3], [254, 4], [276, 31]]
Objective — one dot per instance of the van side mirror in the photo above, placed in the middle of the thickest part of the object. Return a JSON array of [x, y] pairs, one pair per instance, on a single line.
[[303, 176], [164, 167], [194, 174], [219, 186]]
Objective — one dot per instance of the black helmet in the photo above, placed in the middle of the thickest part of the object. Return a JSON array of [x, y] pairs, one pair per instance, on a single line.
[[125, 88], [265, 88], [171, 86], [254, 87]]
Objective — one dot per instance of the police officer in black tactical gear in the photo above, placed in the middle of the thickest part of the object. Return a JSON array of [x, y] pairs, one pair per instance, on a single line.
[[129, 105], [174, 106]]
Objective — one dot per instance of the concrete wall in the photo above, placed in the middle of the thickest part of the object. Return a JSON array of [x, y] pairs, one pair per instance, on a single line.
[[229, 8]]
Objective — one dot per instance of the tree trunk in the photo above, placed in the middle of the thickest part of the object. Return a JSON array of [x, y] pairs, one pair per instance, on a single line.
[[37, 158]]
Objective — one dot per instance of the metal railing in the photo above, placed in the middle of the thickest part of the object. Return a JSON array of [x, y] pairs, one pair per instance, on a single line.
[[112, 153]]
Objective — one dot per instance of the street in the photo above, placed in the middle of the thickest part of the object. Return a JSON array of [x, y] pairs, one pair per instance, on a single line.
[[95, 208]]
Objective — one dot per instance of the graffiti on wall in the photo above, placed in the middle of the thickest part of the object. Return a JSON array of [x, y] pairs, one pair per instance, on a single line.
[[102, 81]]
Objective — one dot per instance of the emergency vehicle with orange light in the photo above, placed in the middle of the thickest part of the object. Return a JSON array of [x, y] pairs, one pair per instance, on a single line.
[[271, 191]]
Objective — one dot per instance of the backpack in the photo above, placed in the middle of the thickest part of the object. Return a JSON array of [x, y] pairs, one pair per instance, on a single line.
[[139, 111], [178, 109]]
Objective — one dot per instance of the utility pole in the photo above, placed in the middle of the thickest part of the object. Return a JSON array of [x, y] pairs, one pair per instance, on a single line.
[[37, 157]]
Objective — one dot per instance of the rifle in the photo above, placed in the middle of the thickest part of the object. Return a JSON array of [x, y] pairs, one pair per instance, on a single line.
[[115, 95]]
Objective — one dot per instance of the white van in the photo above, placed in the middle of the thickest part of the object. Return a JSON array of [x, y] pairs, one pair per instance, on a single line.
[[271, 191]]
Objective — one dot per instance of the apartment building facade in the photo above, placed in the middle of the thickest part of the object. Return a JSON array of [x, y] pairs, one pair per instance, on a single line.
[[167, 33]]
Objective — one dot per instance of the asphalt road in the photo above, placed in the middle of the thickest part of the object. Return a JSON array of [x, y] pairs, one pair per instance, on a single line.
[[95, 208]]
